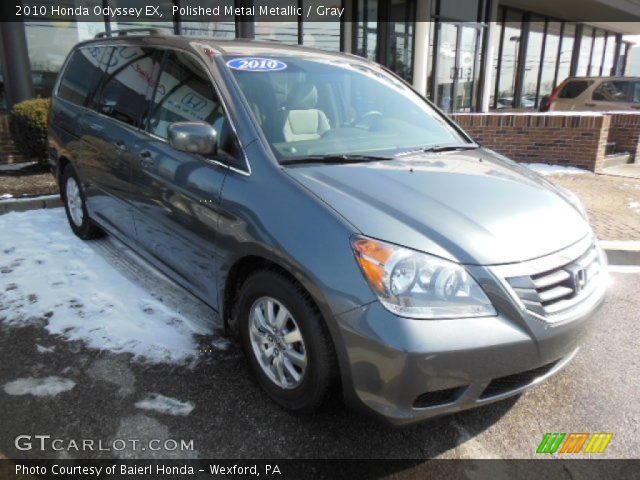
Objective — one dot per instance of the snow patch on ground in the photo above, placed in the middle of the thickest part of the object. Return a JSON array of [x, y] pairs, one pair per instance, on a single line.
[[166, 405], [5, 196], [42, 349], [13, 167], [39, 387], [624, 268], [52, 278], [546, 169], [620, 244]]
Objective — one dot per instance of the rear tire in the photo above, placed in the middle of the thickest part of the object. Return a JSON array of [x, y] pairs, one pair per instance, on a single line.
[[75, 206], [292, 357]]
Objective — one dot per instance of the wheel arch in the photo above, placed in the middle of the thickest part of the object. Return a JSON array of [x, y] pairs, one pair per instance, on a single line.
[[249, 262]]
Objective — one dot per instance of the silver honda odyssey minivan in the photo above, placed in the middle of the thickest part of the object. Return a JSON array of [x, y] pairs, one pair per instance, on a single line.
[[352, 237]]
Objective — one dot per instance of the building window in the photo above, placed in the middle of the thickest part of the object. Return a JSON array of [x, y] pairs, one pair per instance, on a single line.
[[319, 33], [584, 57], [609, 54], [280, 32], [566, 52], [399, 49], [124, 22], [595, 67], [535, 45], [367, 28], [497, 55], [550, 59], [202, 26], [506, 79], [49, 43], [391, 42], [621, 65]]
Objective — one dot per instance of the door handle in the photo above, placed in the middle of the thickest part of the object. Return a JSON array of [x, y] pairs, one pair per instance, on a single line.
[[145, 158], [121, 146], [589, 104]]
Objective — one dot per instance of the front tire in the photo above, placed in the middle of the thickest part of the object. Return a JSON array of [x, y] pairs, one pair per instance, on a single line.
[[75, 206], [285, 341]]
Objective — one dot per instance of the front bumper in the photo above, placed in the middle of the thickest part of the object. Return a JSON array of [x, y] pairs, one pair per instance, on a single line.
[[407, 370]]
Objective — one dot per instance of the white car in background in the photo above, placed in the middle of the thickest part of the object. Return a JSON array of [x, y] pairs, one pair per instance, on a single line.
[[595, 94]]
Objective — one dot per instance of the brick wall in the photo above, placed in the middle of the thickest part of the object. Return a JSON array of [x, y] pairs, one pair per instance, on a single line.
[[625, 132], [578, 140]]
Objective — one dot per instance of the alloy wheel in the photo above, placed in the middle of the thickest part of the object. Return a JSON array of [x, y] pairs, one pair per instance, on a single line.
[[277, 342]]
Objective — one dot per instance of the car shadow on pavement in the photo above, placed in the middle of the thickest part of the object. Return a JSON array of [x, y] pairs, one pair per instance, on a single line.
[[236, 418], [231, 418]]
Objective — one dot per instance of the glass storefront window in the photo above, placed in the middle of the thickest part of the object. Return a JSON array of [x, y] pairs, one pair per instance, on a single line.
[[446, 65], [280, 32], [467, 78], [550, 60], [323, 35], [566, 52], [223, 28], [319, 33], [497, 36], [585, 52], [400, 42], [532, 63], [367, 29], [509, 64], [284, 31], [121, 23], [50, 42], [598, 51], [622, 59], [609, 53]]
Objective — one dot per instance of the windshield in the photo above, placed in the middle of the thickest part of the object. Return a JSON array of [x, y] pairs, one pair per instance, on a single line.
[[333, 106]]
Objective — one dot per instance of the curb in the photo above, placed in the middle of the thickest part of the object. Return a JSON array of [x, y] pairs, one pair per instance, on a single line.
[[29, 203], [622, 252]]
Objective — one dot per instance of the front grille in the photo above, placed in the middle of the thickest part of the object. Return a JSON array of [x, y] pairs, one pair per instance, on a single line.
[[550, 292], [438, 397], [513, 382]]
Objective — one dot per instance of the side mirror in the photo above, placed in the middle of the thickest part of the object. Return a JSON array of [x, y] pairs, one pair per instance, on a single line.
[[193, 137]]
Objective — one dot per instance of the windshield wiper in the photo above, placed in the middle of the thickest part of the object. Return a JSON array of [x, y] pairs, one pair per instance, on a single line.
[[441, 148], [450, 148], [343, 158]]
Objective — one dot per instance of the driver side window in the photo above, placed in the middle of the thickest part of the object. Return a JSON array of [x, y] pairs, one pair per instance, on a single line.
[[184, 93]]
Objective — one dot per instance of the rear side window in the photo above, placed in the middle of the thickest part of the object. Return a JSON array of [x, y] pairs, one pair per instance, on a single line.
[[574, 88], [616, 91], [82, 75], [129, 73]]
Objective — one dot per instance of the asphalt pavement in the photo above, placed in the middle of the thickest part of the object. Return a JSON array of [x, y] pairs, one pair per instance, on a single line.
[[232, 418]]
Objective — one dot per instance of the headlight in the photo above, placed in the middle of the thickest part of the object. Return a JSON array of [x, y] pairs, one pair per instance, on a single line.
[[417, 285], [574, 200]]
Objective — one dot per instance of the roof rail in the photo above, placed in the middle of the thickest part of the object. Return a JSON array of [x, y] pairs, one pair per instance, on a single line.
[[125, 32]]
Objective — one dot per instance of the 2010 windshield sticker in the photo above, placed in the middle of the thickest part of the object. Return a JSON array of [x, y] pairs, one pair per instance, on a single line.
[[251, 64]]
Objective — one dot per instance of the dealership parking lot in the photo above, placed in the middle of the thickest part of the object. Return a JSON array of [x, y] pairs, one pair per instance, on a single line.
[[96, 345]]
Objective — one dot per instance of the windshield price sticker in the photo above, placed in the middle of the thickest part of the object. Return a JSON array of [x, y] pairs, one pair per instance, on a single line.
[[251, 64]]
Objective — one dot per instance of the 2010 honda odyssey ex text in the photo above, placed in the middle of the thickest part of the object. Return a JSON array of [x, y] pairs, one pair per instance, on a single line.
[[346, 231]]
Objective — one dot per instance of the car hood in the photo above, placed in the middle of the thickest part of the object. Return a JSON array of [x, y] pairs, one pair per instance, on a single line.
[[474, 206]]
